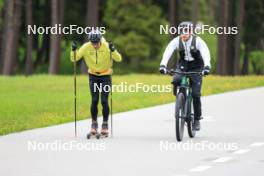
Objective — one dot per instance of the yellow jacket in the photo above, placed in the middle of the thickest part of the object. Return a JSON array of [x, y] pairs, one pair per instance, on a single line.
[[98, 61]]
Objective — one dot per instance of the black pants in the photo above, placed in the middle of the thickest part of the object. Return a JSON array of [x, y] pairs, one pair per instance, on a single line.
[[100, 85], [196, 84]]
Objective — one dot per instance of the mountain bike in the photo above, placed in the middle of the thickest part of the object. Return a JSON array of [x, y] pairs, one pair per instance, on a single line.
[[184, 105]]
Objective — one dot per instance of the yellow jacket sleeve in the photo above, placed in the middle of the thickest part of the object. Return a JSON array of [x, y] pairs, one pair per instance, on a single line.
[[79, 53], [116, 56]]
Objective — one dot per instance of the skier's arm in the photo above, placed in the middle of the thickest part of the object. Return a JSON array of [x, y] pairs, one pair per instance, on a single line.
[[79, 53], [173, 45], [116, 56], [204, 50]]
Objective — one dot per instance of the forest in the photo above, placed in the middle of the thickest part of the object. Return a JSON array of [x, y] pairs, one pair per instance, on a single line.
[[133, 26]]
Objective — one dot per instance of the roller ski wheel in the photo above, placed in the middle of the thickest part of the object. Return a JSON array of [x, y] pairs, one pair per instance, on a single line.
[[103, 135], [93, 133], [104, 132], [98, 136]]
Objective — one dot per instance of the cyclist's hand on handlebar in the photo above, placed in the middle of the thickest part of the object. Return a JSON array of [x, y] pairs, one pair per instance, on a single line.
[[206, 70], [163, 69]]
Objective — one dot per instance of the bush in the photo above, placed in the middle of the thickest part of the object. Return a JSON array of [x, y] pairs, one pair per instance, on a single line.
[[133, 25], [257, 62]]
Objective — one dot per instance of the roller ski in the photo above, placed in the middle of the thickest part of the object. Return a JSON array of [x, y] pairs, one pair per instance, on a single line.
[[104, 131], [93, 133]]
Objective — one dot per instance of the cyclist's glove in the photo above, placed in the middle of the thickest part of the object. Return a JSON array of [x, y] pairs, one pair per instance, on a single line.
[[163, 69], [206, 70]]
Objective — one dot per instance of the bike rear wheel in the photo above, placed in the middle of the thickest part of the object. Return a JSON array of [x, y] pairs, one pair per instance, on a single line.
[[179, 116], [190, 122]]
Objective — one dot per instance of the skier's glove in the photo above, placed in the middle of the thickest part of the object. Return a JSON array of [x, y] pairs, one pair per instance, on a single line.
[[163, 69], [206, 70], [111, 46], [74, 45]]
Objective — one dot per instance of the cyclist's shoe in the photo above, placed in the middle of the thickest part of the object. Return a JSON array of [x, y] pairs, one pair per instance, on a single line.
[[197, 125], [94, 127]]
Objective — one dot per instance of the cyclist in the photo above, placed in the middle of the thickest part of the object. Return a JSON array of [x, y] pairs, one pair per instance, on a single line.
[[97, 55], [194, 56]]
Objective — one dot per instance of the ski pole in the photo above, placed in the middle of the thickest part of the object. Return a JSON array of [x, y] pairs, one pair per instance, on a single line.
[[75, 104], [111, 100]]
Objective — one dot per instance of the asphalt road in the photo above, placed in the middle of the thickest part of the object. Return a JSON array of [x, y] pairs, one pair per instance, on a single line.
[[231, 142]]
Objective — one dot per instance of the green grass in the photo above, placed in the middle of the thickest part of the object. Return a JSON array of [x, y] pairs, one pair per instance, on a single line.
[[39, 101]]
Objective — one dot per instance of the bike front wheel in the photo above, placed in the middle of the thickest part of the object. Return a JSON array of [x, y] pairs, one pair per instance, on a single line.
[[190, 122], [179, 116]]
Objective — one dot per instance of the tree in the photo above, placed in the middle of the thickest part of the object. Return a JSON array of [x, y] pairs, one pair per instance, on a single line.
[[222, 39], [173, 7], [239, 22], [92, 20], [56, 18], [1, 26], [172, 13], [195, 11], [253, 29], [12, 20], [212, 9], [92, 15], [41, 42], [230, 48], [29, 21]]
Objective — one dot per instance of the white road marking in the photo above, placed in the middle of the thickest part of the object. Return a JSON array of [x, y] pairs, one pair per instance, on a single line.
[[257, 144], [200, 168], [241, 151], [222, 159], [208, 119]]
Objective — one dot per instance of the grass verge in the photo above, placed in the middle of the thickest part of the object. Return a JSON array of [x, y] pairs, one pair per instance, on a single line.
[[42, 100]]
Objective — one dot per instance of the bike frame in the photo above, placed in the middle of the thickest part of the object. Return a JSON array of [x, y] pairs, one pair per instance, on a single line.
[[186, 89], [187, 92]]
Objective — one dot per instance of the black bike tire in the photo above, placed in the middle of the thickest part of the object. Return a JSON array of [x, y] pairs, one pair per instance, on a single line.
[[179, 122], [191, 131]]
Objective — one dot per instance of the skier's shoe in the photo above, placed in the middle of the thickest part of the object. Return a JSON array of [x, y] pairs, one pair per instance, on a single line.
[[104, 130], [93, 132]]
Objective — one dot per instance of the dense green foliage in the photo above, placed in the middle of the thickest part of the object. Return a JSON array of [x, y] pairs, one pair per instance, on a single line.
[[136, 35], [254, 27], [256, 62], [133, 26]]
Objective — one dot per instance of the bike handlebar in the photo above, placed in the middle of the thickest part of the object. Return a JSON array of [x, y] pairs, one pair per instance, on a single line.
[[170, 72]]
